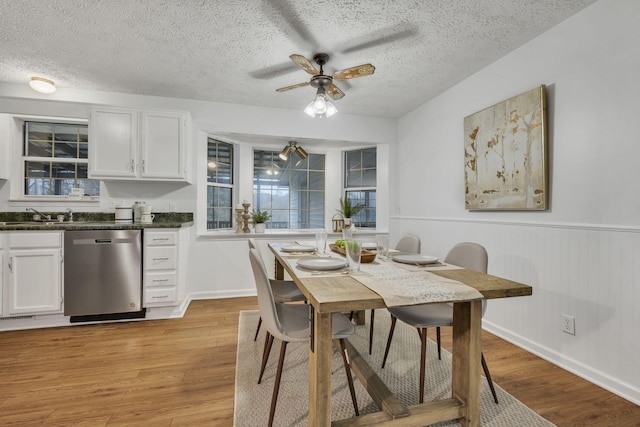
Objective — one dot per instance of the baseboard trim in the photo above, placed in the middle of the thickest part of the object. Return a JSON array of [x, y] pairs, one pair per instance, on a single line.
[[614, 385]]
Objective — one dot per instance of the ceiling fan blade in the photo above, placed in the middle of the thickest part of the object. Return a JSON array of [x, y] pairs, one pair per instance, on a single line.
[[304, 64], [353, 72], [334, 91], [283, 89]]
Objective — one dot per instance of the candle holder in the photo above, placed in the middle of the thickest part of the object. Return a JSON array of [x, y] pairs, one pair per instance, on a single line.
[[239, 221], [246, 215]]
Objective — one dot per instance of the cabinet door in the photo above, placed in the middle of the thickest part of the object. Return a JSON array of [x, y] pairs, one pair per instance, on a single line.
[[162, 139], [35, 282], [113, 143]]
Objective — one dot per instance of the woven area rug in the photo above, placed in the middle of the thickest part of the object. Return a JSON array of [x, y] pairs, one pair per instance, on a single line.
[[401, 375]]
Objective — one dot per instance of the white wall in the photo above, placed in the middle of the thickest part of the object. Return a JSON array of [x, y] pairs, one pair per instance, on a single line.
[[582, 255], [216, 267]]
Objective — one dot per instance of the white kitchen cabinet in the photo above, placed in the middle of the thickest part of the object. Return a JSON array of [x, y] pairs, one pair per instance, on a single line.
[[161, 267], [127, 144], [35, 273], [5, 138], [1, 275]]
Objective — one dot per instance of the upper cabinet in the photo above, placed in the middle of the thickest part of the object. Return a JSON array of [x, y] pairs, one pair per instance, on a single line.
[[130, 144], [4, 146]]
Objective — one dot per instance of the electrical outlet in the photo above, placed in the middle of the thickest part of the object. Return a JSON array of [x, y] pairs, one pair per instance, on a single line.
[[172, 207], [568, 324]]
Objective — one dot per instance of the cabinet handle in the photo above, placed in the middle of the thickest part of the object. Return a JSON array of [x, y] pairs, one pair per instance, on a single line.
[[11, 264], [160, 280], [160, 239], [143, 166], [160, 297], [161, 259], [133, 165]]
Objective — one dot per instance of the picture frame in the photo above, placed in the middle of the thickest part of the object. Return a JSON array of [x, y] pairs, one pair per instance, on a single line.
[[505, 160]]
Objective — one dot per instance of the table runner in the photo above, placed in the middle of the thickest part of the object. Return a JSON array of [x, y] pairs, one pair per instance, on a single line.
[[397, 284], [400, 286]]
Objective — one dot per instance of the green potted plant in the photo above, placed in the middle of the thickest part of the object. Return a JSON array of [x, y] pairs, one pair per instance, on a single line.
[[348, 210], [258, 218]]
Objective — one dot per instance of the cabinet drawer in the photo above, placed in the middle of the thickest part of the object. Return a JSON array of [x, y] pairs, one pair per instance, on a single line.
[[160, 296], [160, 238], [169, 278], [161, 258], [35, 239]]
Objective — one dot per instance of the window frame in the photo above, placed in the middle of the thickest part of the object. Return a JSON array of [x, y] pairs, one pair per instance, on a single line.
[[308, 191], [16, 140], [357, 221], [231, 186]]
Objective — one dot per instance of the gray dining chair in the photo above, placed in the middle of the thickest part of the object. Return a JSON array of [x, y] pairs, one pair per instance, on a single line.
[[471, 256], [407, 244], [290, 323], [283, 290]]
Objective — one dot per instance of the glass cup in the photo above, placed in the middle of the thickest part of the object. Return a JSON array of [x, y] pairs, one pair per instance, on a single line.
[[382, 246], [347, 233], [354, 251], [321, 242]]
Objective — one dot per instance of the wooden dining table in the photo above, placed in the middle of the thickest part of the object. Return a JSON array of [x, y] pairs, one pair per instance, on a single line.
[[343, 294]]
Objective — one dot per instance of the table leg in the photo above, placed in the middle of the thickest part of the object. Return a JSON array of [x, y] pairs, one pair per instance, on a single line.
[[279, 271], [320, 370], [465, 379]]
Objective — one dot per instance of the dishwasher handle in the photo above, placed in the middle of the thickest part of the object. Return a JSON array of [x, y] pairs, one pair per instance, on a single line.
[[103, 241]]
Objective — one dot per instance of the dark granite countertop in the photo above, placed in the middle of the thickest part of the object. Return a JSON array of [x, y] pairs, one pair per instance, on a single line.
[[91, 221]]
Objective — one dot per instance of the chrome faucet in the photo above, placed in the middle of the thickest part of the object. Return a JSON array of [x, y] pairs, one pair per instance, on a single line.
[[70, 214], [42, 216]]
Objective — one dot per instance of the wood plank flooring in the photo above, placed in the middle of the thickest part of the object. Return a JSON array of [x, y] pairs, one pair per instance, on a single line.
[[181, 372]]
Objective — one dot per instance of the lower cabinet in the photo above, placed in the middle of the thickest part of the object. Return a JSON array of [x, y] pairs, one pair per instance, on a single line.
[[161, 267], [35, 274]]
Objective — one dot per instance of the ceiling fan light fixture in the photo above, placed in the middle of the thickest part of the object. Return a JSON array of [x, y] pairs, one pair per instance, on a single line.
[[320, 107], [42, 85]]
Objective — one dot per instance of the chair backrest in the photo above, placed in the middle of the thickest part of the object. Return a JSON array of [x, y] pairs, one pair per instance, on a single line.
[[409, 243], [471, 256], [252, 244], [468, 255], [266, 302]]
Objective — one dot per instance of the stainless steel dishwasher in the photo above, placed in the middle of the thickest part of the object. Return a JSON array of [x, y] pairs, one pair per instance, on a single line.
[[103, 275]]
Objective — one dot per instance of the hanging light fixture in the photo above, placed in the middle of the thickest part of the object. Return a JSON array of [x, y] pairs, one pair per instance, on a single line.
[[284, 154], [42, 85], [295, 148], [321, 107], [301, 152]]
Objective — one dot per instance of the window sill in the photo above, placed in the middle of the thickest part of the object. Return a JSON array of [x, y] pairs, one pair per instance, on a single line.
[[57, 199], [282, 234]]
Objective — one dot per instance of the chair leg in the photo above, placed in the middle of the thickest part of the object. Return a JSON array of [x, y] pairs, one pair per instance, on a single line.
[[438, 339], [276, 386], [347, 368], [268, 341], [423, 356], [386, 350], [488, 375], [258, 328], [373, 315]]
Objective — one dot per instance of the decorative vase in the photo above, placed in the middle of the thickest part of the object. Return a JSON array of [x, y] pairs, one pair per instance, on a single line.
[[259, 227]]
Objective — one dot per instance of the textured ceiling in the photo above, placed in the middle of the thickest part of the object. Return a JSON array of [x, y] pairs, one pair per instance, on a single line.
[[236, 51]]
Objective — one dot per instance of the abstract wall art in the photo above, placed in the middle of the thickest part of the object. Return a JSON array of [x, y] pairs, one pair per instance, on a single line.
[[505, 155]]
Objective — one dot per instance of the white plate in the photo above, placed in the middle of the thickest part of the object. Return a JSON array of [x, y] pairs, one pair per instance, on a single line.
[[298, 248], [322, 263], [370, 246], [415, 259]]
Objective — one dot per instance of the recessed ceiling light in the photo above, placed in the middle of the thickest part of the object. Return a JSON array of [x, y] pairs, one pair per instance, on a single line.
[[42, 85]]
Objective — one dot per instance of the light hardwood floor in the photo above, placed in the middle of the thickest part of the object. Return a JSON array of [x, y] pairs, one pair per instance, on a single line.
[[180, 372]]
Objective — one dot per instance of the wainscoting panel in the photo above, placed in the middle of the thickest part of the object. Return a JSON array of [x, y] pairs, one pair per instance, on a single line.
[[591, 273]]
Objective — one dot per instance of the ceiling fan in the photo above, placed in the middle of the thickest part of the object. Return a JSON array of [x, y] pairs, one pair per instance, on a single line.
[[322, 82]]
